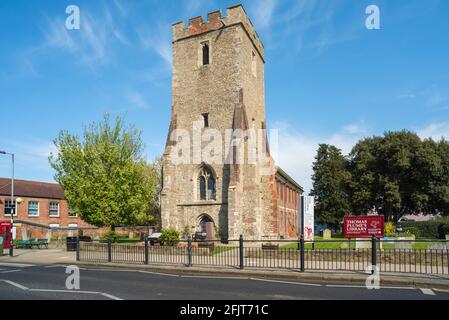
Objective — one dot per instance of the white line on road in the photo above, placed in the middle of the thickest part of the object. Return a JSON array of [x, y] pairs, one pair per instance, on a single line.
[[9, 271], [344, 286], [215, 277], [16, 265], [159, 273], [110, 296], [15, 284], [288, 282], [428, 292]]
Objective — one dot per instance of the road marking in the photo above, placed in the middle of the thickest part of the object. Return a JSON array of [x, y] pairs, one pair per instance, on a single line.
[[215, 277], [159, 273], [54, 266], [17, 265], [9, 271], [107, 295], [110, 296], [15, 284], [428, 292], [344, 286], [288, 282]]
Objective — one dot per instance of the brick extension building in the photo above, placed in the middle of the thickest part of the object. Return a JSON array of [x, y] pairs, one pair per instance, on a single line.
[[218, 80], [43, 206]]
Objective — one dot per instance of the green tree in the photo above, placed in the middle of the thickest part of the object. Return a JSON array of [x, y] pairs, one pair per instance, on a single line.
[[330, 185], [399, 174], [104, 176]]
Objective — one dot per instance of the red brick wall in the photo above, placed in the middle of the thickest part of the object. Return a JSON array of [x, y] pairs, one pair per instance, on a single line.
[[288, 209], [44, 215]]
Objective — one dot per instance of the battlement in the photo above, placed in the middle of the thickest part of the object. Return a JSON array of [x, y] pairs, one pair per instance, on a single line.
[[234, 15]]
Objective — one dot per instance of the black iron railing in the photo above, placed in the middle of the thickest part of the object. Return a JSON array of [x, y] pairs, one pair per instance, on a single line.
[[405, 256]]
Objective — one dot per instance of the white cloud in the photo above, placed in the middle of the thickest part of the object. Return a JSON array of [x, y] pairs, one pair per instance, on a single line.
[[262, 13], [159, 42], [92, 44], [436, 131], [296, 151], [136, 99]]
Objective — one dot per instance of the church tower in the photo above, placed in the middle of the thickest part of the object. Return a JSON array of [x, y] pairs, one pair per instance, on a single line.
[[218, 89]]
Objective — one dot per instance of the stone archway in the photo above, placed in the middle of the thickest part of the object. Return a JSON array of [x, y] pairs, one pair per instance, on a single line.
[[206, 224]]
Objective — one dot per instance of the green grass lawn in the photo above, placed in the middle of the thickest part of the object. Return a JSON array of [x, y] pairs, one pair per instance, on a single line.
[[337, 244], [221, 249]]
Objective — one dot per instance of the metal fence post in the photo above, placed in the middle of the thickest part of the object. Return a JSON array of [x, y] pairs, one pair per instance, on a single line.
[[109, 250], [373, 254], [189, 251], [146, 250], [301, 253], [241, 252], [77, 248]]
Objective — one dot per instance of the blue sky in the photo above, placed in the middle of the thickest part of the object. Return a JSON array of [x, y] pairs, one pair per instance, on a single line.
[[327, 78]]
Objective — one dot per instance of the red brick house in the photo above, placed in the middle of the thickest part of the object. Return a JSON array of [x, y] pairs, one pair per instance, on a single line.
[[43, 205]]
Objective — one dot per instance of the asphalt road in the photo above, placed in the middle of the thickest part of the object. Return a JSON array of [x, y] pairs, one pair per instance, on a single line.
[[24, 281]]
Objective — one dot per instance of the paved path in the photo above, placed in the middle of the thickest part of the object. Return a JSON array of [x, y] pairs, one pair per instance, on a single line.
[[28, 281]]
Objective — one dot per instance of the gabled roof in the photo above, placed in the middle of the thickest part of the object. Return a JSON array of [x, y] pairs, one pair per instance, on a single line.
[[31, 189]]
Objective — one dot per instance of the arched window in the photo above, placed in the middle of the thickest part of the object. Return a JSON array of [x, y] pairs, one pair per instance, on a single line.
[[206, 184]]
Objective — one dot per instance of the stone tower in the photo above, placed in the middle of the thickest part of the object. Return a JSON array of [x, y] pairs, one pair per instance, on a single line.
[[218, 86]]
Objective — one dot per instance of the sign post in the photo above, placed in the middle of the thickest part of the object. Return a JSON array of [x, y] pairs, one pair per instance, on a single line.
[[363, 226], [307, 217]]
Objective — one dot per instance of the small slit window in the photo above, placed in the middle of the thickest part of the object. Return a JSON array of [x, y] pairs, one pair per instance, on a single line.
[[205, 51], [206, 120]]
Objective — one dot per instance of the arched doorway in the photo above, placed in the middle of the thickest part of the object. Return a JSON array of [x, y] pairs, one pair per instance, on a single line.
[[204, 219]]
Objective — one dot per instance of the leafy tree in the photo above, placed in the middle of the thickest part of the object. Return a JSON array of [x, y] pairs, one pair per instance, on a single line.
[[399, 174], [330, 185], [104, 176]]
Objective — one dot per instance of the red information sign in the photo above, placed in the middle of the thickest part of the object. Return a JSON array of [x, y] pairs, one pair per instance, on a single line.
[[363, 226]]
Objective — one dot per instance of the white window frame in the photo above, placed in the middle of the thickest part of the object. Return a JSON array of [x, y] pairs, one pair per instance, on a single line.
[[54, 225], [74, 216], [38, 209], [9, 201], [72, 226], [49, 209]]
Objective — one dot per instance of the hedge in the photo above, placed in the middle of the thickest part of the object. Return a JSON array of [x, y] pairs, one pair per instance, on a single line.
[[434, 229]]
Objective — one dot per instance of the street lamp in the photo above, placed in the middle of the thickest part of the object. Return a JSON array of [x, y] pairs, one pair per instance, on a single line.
[[13, 209]]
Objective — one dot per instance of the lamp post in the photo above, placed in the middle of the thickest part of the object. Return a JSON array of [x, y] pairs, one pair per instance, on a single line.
[[13, 205]]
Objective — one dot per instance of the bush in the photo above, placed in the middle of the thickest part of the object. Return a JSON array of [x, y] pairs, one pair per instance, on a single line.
[[443, 230], [113, 236], [412, 231], [170, 236], [432, 229], [390, 229]]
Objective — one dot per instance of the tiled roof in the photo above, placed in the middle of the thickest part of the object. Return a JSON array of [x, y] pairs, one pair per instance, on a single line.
[[31, 189]]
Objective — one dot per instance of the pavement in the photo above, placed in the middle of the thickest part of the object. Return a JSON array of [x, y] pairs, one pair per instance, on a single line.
[[40, 274]]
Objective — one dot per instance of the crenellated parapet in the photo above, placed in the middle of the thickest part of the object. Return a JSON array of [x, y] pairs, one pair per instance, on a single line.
[[235, 15]]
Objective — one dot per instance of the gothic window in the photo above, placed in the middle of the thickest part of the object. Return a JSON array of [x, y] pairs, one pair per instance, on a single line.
[[206, 185], [205, 50]]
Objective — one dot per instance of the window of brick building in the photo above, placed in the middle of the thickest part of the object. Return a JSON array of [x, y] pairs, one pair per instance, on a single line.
[[206, 53], [72, 212], [8, 207], [33, 208], [54, 209]]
